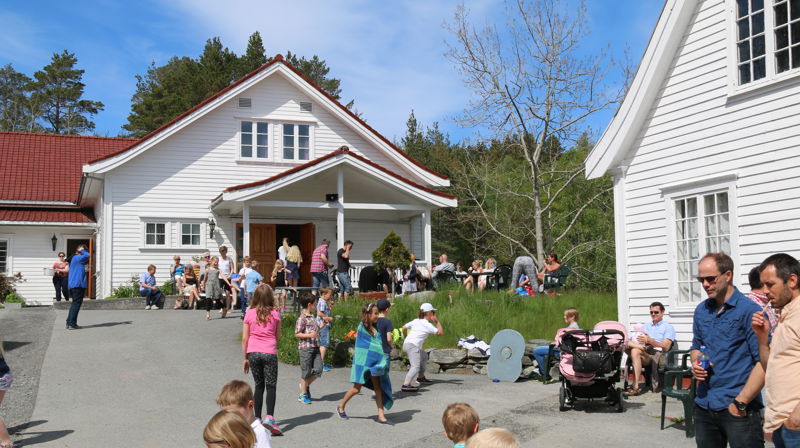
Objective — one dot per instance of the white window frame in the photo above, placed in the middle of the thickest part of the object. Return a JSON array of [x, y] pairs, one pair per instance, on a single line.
[[9, 269], [772, 78], [270, 140], [725, 182], [201, 236], [311, 143], [167, 233]]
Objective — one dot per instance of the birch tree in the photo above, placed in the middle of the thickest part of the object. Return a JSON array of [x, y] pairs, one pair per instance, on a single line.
[[533, 86]]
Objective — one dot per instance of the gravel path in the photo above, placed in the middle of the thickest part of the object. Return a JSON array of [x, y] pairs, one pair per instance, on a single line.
[[26, 335]]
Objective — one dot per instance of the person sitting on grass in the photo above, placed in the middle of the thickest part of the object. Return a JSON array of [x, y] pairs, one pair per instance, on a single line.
[[237, 396], [493, 438], [228, 429], [306, 330], [571, 316], [148, 288], [460, 422], [418, 330]]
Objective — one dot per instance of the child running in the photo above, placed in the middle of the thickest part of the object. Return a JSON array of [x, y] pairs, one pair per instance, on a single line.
[[252, 279], [418, 330], [261, 330], [306, 331], [5, 384], [325, 322], [460, 422], [241, 283], [212, 288], [370, 366], [237, 396], [228, 429]]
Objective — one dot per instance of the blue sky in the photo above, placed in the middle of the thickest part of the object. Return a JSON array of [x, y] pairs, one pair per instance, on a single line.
[[389, 55]]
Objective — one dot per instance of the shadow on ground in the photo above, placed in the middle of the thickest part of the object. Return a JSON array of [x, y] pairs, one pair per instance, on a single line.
[[31, 438]]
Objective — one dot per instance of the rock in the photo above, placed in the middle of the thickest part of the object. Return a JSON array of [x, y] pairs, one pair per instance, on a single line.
[[526, 361], [448, 356], [399, 364], [480, 369], [396, 354], [432, 367], [528, 371], [421, 296], [476, 354], [464, 369]]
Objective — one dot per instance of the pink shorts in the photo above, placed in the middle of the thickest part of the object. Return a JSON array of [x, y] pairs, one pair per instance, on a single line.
[[5, 381]]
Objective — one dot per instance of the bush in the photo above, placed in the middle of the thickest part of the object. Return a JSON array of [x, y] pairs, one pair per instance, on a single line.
[[13, 298], [130, 289], [168, 287], [7, 285]]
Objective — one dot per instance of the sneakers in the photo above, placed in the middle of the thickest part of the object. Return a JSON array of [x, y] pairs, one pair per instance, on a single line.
[[422, 379], [272, 426], [409, 388], [147, 307], [326, 368], [304, 399]]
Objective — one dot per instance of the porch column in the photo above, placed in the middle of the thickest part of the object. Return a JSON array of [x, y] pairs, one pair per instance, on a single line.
[[246, 229], [340, 210], [426, 239]]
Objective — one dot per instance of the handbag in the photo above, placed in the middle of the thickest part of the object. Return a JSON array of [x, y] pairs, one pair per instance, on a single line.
[[591, 361]]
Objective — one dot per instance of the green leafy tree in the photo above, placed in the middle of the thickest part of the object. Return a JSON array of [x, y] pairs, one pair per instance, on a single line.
[[391, 254], [15, 112], [58, 89], [316, 70], [218, 66]]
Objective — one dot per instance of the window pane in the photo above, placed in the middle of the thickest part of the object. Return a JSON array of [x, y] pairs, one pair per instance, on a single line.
[[261, 152], [247, 139], [722, 202], [288, 153], [303, 129], [186, 239], [711, 245], [247, 151], [796, 31], [303, 142], [288, 141], [782, 37], [160, 239], [794, 10], [261, 140], [744, 74], [261, 127], [725, 245], [744, 51], [741, 8], [302, 154], [744, 28], [759, 69], [680, 209], [757, 23], [756, 5], [759, 46], [196, 240], [692, 228], [711, 225], [694, 249], [247, 126], [288, 129], [709, 201], [724, 224], [796, 56], [682, 250], [782, 61], [150, 228], [150, 239], [781, 14], [691, 207], [683, 271], [160, 228], [186, 228], [684, 291]]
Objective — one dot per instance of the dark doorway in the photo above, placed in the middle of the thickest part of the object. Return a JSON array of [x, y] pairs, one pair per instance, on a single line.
[[291, 231]]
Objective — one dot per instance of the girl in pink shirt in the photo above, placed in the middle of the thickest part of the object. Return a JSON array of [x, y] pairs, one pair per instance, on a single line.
[[260, 332]]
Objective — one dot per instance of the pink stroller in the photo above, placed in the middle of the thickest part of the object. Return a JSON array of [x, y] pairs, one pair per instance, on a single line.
[[590, 363]]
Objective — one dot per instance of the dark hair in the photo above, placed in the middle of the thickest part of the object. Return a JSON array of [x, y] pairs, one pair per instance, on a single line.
[[755, 278], [723, 261], [365, 312], [307, 299], [659, 305], [348, 242], [554, 256], [785, 265], [326, 241]]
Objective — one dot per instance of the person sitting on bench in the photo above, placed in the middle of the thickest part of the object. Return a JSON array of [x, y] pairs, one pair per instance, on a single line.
[[650, 347]]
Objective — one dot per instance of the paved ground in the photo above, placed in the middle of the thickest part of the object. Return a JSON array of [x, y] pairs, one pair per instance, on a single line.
[[149, 378]]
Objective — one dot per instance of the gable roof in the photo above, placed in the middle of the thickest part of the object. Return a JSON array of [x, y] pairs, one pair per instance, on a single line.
[[620, 135], [47, 167], [341, 154], [277, 60]]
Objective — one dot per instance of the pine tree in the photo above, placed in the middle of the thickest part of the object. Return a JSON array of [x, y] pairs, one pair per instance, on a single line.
[[255, 56], [218, 66], [316, 70], [15, 113], [58, 89]]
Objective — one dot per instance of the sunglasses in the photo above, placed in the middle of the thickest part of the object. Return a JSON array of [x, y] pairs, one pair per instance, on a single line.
[[655, 313], [709, 279]]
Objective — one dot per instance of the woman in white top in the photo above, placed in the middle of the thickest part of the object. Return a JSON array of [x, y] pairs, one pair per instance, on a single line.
[[418, 330], [226, 267]]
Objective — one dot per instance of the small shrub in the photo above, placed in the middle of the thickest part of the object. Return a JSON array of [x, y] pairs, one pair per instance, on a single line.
[[168, 287], [130, 289], [7, 284], [13, 298]]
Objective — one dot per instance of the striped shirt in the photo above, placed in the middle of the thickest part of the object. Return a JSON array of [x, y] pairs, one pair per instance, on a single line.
[[317, 265], [306, 323]]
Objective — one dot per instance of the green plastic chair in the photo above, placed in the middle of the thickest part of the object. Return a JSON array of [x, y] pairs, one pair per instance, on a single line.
[[556, 280], [673, 387]]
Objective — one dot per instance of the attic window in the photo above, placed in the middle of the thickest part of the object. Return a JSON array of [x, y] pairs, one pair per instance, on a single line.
[[305, 106], [245, 103]]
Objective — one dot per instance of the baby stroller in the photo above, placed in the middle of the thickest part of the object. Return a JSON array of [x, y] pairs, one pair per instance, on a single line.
[[590, 363]]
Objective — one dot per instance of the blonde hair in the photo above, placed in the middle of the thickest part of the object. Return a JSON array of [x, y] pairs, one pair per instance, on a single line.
[[275, 268], [493, 438], [230, 428], [235, 393], [460, 421], [247, 258], [253, 264], [572, 313], [294, 255]]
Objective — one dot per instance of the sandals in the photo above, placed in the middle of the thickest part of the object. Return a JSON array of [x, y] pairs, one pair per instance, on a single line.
[[632, 392]]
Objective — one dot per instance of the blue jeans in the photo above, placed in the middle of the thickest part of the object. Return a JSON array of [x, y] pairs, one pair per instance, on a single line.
[[540, 353], [786, 438], [344, 282], [321, 279], [151, 296], [77, 300], [325, 337], [716, 429], [243, 300]]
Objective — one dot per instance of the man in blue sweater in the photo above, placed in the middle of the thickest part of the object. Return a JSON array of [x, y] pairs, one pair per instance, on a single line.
[[77, 285]]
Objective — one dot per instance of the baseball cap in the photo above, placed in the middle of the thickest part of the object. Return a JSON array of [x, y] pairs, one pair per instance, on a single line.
[[383, 305], [427, 307]]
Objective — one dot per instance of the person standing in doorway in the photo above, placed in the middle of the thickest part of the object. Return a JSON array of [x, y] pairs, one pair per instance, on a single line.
[[226, 266], [60, 280], [293, 261], [728, 402], [320, 265], [343, 270], [76, 281], [283, 250]]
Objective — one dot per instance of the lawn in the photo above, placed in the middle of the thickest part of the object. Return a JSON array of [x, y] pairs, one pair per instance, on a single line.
[[481, 314]]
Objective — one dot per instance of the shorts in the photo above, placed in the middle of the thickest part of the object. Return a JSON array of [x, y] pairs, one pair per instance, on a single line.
[[325, 336], [310, 362], [6, 381], [187, 291], [344, 282], [224, 285]]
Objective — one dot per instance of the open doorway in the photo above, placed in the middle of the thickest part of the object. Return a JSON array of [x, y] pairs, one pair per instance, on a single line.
[[265, 239]]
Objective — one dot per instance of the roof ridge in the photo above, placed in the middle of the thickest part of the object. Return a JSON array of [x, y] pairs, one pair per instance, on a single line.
[[46, 134]]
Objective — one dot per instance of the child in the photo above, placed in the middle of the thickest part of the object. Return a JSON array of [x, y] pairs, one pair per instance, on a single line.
[[212, 288], [241, 284], [493, 438], [261, 330], [460, 422], [370, 366], [385, 327], [191, 289], [228, 429], [306, 330], [540, 353], [418, 330], [5, 384], [279, 280], [293, 261], [252, 279], [636, 331], [237, 396], [323, 318]]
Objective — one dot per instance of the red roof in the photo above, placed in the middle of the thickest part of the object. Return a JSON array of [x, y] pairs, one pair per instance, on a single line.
[[45, 215], [341, 151], [47, 167], [277, 59]]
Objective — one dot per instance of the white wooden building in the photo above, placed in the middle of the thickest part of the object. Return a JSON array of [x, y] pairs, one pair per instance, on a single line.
[[704, 151], [260, 159]]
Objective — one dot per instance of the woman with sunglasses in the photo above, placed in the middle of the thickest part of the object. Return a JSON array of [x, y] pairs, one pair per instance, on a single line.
[[60, 280]]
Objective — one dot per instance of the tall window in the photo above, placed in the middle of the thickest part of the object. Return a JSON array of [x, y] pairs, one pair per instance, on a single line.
[[254, 140], [787, 34], [155, 234], [296, 141], [3, 255], [190, 234], [767, 38], [702, 225], [751, 45]]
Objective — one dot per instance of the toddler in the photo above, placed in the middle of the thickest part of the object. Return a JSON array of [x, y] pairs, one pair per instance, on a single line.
[[460, 422]]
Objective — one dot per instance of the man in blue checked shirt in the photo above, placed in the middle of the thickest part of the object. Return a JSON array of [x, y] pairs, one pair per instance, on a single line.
[[728, 400]]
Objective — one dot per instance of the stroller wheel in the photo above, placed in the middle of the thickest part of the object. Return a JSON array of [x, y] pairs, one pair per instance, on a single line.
[[562, 398], [619, 400]]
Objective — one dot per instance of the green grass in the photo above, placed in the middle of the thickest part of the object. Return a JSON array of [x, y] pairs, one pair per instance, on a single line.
[[482, 314]]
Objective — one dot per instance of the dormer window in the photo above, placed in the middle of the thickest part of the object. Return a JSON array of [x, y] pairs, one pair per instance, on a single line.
[[254, 140], [767, 39]]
